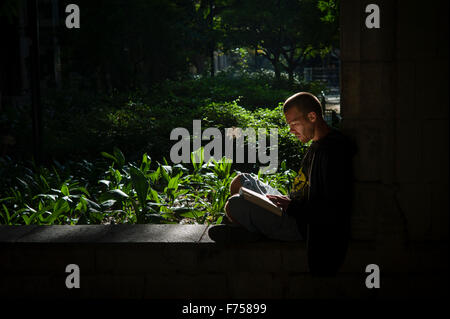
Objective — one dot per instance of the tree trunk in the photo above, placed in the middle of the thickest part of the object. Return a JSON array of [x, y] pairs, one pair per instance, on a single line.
[[212, 63], [256, 57], [211, 26], [277, 71], [56, 47], [291, 75], [277, 67], [33, 17]]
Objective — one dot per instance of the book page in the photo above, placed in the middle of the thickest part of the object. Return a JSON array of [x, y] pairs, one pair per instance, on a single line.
[[260, 200]]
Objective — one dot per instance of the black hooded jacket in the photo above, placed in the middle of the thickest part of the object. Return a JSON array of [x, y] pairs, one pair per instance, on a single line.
[[323, 213]]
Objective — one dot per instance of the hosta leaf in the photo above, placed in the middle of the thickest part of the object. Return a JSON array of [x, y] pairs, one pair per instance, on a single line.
[[65, 190], [92, 205], [118, 192], [50, 196], [104, 181], [140, 184], [193, 214], [108, 203], [119, 156], [61, 206], [83, 190], [107, 155], [154, 195]]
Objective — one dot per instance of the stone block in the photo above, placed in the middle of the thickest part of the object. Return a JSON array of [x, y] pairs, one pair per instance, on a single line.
[[439, 212], [30, 286], [364, 212], [339, 287], [229, 234], [350, 25], [47, 259], [10, 234], [405, 102], [378, 44], [408, 163], [399, 258], [125, 286], [255, 285], [186, 286], [164, 233], [64, 234], [145, 258], [257, 258], [358, 257], [406, 25], [427, 257], [413, 287], [414, 202], [375, 214], [442, 31], [215, 258], [294, 259], [376, 91], [372, 161], [391, 222], [351, 89], [434, 148], [417, 31], [431, 87]]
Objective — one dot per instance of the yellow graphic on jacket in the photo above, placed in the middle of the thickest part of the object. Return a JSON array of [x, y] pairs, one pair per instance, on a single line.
[[300, 185]]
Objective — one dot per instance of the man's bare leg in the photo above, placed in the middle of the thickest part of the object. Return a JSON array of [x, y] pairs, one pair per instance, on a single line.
[[235, 185], [227, 213]]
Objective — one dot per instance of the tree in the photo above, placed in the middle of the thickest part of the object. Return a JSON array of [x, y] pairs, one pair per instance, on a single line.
[[286, 31], [131, 44], [205, 31]]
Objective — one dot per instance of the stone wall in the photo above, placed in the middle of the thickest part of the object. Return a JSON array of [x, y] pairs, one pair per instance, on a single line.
[[199, 261], [394, 103]]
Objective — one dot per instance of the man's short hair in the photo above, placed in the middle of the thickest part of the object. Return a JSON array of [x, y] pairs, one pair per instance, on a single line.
[[305, 103]]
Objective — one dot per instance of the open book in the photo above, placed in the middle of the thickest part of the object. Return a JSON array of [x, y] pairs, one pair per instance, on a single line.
[[260, 200]]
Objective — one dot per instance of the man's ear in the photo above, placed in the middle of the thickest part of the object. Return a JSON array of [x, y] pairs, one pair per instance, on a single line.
[[312, 116]]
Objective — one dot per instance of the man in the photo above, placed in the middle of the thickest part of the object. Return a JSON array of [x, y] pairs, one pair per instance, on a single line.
[[318, 207]]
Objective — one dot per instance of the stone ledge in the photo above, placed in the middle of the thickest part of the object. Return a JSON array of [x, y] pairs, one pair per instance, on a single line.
[[200, 261], [102, 234]]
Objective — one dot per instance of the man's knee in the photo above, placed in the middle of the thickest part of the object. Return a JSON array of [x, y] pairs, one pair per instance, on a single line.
[[232, 206], [235, 184]]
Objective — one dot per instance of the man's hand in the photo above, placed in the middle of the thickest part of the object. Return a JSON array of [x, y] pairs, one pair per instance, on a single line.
[[280, 201]]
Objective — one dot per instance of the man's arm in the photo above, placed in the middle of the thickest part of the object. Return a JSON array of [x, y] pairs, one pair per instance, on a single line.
[[330, 189], [280, 200]]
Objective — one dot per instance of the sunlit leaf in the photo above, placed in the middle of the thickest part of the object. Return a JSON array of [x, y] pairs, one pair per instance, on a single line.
[[118, 192]]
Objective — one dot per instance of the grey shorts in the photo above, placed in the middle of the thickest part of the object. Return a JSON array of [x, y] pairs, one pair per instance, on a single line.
[[257, 219]]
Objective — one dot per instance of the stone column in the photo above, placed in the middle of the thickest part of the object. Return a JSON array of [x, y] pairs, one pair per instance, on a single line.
[[395, 106]]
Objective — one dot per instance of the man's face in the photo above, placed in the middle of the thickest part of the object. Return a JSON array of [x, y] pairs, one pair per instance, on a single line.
[[300, 125]]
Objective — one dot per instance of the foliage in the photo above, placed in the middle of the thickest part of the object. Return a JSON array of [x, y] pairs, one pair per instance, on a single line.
[[137, 188], [78, 124], [125, 192], [330, 9], [129, 53], [164, 39], [286, 32]]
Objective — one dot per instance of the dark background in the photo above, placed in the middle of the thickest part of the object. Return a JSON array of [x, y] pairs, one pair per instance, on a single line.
[[394, 104]]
